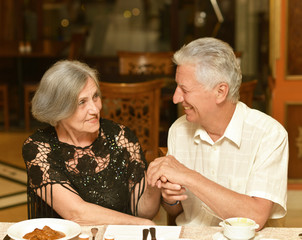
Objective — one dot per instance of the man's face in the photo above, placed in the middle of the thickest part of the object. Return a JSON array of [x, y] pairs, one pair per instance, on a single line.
[[198, 103]]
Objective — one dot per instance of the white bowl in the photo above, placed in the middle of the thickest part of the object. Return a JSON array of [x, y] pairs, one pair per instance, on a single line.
[[240, 228]]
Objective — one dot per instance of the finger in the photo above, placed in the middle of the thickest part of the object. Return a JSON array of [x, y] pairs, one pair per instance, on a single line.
[[172, 186], [163, 179], [158, 184], [173, 192], [171, 198], [153, 172], [152, 177]]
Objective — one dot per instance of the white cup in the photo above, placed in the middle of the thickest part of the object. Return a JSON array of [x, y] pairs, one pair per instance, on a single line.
[[240, 228]]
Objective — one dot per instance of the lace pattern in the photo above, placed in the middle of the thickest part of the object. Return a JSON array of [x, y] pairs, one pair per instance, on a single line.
[[104, 173]]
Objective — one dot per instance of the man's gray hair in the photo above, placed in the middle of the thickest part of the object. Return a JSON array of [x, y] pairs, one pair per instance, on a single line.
[[215, 62]]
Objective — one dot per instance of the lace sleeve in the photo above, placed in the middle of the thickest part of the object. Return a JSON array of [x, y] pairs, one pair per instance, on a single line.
[[39, 170], [41, 173]]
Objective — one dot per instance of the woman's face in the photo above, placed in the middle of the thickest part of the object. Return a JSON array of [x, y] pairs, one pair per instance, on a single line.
[[87, 115]]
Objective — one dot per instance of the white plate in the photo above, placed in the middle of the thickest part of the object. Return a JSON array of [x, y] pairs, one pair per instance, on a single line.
[[69, 228]]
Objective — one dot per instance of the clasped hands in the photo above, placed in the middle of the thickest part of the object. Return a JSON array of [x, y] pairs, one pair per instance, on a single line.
[[169, 175]]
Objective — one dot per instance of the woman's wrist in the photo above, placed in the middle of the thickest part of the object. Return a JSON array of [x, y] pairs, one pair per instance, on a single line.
[[170, 204]]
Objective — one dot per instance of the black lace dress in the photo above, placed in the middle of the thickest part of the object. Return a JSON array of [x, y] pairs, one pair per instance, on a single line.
[[104, 173]]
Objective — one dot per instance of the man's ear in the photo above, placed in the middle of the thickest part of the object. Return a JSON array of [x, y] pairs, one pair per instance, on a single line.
[[222, 90]]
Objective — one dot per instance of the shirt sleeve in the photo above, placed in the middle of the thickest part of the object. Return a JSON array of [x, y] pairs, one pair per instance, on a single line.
[[268, 177]]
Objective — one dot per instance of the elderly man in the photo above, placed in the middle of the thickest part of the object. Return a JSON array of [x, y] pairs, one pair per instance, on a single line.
[[224, 159]]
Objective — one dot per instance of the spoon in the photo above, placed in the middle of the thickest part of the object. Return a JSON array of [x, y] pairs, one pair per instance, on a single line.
[[152, 232], [94, 231]]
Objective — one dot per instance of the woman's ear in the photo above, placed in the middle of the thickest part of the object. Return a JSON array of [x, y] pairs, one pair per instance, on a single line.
[[222, 90]]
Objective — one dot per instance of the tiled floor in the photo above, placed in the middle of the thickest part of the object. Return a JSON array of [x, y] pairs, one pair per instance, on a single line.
[[10, 151]]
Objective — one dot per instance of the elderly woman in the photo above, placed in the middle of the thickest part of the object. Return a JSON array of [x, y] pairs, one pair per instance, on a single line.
[[82, 167]]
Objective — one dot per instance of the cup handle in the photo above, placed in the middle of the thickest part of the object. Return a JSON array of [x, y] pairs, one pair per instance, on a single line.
[[255, 226]]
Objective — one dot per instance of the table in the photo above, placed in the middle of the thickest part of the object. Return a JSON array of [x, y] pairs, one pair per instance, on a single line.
[[202, 232], [45, 49], [39, 49]]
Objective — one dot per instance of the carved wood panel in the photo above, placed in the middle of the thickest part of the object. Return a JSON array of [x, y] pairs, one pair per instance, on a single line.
[[294, 128], [294, 43]]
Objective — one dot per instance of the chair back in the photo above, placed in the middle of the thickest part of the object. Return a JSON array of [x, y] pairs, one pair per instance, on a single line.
[[247, 92], [156, 63], [137, 106]]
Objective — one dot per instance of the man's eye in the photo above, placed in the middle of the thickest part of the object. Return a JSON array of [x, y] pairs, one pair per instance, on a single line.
[[96, 95], [81, 102]]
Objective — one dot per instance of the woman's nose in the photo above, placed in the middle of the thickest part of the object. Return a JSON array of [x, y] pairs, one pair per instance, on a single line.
[[94, 107], [177, 97]]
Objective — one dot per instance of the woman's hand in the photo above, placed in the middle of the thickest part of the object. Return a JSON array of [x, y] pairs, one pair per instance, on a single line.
[[172, 192]]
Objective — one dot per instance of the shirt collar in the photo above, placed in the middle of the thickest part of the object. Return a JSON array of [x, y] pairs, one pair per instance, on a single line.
[[233, 131]]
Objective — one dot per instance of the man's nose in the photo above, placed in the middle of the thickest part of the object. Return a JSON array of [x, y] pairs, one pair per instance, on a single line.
[[177, 97]]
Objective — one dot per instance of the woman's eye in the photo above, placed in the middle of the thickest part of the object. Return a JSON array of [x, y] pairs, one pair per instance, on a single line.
[[96, 95], [81, 102]]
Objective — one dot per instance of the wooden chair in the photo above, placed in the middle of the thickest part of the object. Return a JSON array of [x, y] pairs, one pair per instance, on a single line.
[[156, 63], [136, 105], [247, 92], [75, 51], [4, 104]]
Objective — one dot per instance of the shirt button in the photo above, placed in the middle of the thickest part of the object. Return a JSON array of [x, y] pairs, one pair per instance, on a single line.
[[214, 148], [212, 172]]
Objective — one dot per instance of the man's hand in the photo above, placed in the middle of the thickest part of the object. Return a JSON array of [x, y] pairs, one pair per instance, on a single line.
[[167, 169], [168, 174]]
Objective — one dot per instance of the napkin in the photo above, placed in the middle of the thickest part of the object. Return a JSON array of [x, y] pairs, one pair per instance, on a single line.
[[135, 232]]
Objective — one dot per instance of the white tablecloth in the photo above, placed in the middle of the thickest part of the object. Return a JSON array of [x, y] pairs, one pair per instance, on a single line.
[[204, 233]]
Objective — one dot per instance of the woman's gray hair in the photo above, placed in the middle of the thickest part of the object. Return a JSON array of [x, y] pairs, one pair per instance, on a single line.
[[57, 95], [215, 62]]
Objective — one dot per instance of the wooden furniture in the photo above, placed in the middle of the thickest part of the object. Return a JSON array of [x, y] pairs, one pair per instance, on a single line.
[[247, 92], [29, 91], [156, 63], [10, 51], [159, 64], [4, 104], [77, 45], [135, 105], [285, 84]]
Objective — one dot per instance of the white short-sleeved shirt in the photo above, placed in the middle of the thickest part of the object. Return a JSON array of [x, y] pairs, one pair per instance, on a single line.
[[250, 158]]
